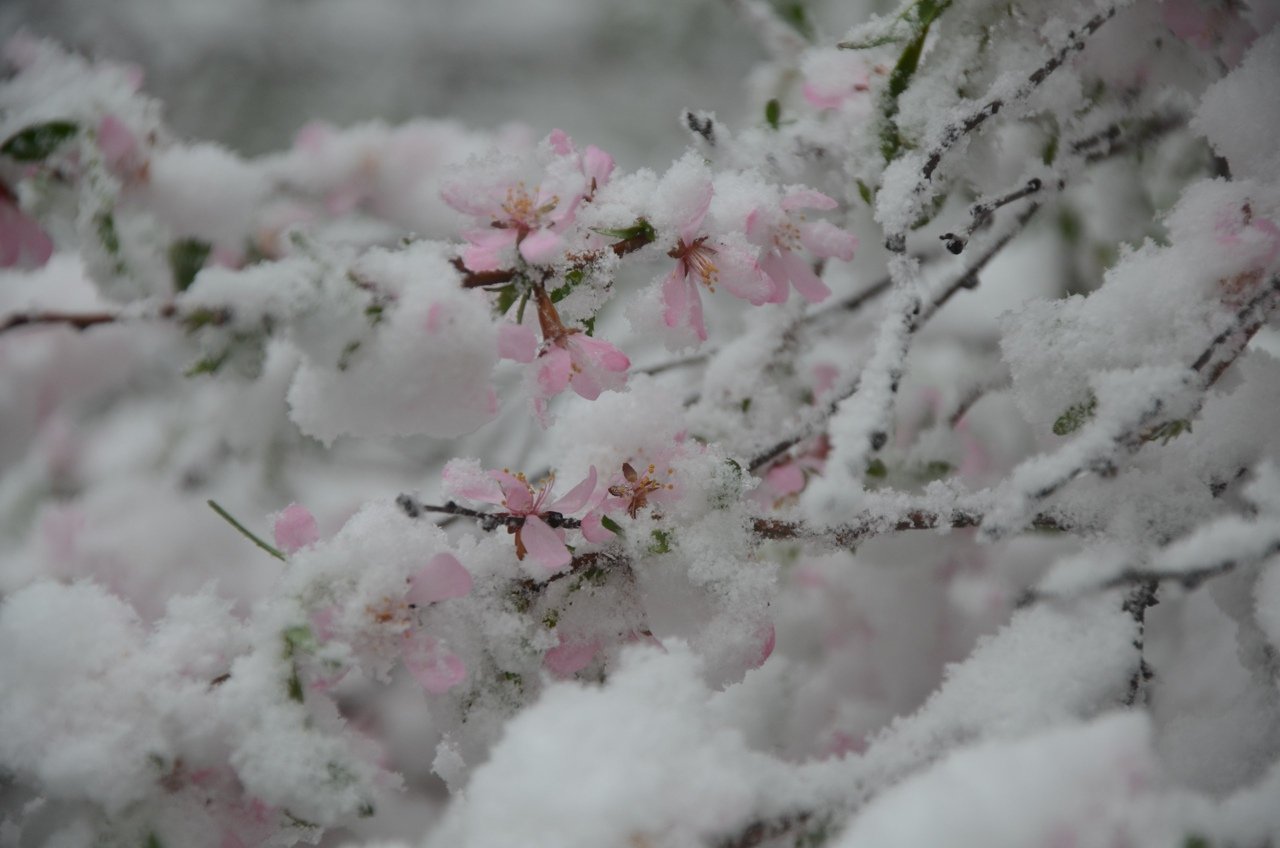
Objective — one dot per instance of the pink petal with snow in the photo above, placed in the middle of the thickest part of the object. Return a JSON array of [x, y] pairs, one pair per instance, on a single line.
[[295, 528], [554, 372], [515, 492], [826, 240], [593, 530], [597, 165], [807, 198], [23, 244], [442, 578], [487, 249], [560, 142], [682, 305], [699, 203], [465, 479], [541, 247], [543, 544], [742, 275], [809, 284], [768, 638], [518, 342], [436, 669], [117, 142], [577, 497], [568, 658], [786, 479], [322, 622]]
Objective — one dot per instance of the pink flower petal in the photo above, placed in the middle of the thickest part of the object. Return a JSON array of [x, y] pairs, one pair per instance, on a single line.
[[773, 268], [786, 479], [698, 204], [682, 305], [442, 578], [597, 165], [554, 371], [436, 669], [295, 528], [577, 497], [322, 622], [544, 545], [560, 142], [807, 198], [741, 274], [809, 285], [465, 479], [515, 492], [568, 658], [826, 239], [117, 142], [593, 530], [768, 638], [487, 252], [541, 247], [518, 342]]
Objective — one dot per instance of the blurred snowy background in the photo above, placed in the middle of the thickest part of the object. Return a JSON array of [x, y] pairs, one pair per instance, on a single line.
[[249, 73]]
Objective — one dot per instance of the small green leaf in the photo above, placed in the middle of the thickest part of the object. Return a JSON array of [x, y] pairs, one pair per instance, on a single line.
[[589, 325], [186, 258], [374, 313], [344, 359], [935, 468], [551, 618], [298, 638], [1075, 416], [610, 525], [772, 112], [208, 364], [661, 542], [641, 229], [506, 298], [794, 14], [864, 191], [746, 405], [105, 223], [293, 686], [1050, 150], [876, 468], [36, 142], [561, 293]]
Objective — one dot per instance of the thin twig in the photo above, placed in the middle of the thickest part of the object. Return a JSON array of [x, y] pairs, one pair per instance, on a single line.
[[246, 532]]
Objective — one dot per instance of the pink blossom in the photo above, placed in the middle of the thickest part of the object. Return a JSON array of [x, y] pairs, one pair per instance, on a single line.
[[436, 668], [570, 657], [588, 365], [120, 149], [534, 536], [295, 528], [710, 261], [23, 244], [833, 77], [532, 220], [783, 230], [442, 578]]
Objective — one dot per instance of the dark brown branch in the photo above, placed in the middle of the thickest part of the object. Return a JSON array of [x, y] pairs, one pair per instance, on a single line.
[[980, 214], [849, 535], [488, 521], [76, 321]]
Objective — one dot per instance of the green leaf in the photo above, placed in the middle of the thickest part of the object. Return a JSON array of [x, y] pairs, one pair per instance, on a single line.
[[186, 258], [1075, 416], [925, 12], [794, 14], [864, 191], [610, 525], [105, 223], [876, 468], [36, 142], [506, 298], [772, 112], [208, 364], [641, 229], [661, 542]]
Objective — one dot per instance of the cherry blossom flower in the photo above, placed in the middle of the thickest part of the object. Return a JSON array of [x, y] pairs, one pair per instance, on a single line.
[[532, 220], [782, 231], [534, 536], [567, 357], [710, 261]]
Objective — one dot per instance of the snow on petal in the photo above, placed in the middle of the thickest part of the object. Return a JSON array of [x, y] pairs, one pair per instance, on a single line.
[[464, 478], [809, 284], [825, 239], [442, 578], [295, 528], [436, 669], [541, 247], [807, 198], [570, 657]]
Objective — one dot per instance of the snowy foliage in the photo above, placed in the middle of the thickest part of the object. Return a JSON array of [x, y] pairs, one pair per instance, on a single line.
[[895, 466]]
